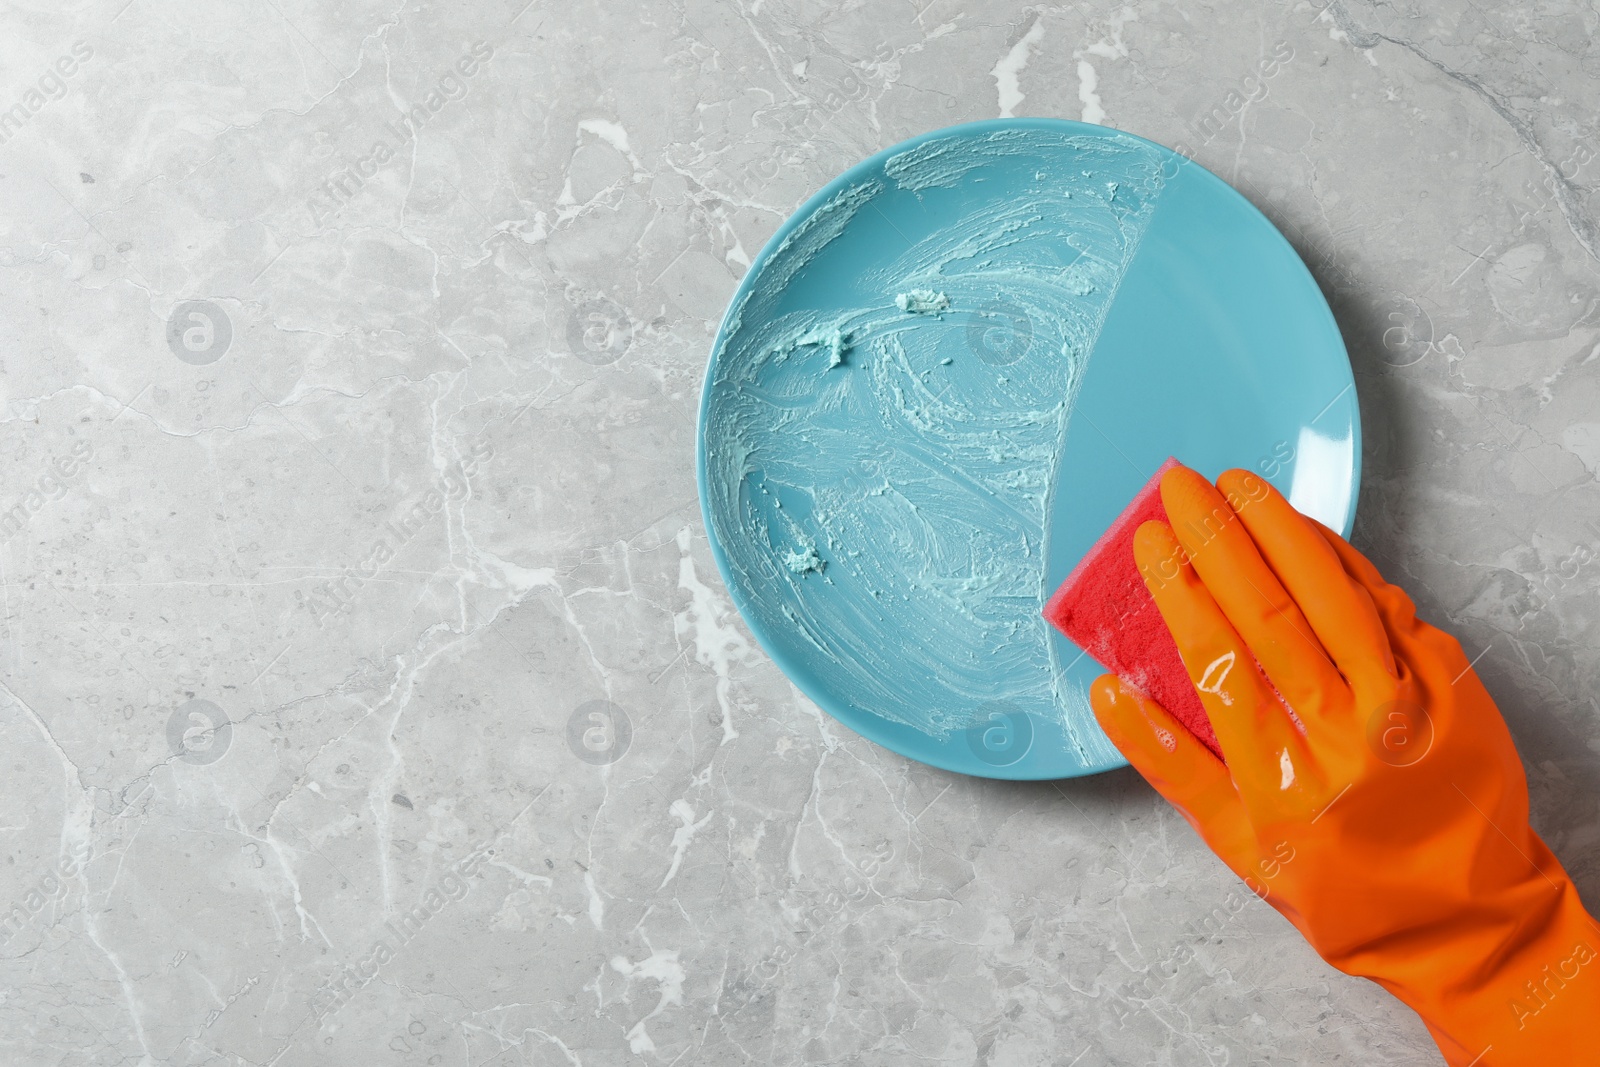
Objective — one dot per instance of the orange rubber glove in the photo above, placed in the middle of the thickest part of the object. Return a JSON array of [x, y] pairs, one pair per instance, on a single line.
[[1372, 793]]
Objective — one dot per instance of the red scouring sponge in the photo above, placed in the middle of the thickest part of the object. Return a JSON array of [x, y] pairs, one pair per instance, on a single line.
[[1104, 607]]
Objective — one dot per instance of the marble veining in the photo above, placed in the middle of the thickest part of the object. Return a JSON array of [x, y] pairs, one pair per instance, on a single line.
[[368, 694]]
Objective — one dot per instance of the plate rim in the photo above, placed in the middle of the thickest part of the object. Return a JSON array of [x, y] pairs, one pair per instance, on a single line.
[[877, 728]]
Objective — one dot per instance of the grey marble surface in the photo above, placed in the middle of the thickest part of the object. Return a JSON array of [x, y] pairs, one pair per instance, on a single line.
[[348, 502]]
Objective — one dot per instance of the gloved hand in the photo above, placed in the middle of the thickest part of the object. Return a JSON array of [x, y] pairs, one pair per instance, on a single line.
[[1372, 793]]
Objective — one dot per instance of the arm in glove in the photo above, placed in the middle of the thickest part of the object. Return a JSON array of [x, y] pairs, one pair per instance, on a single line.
[[1372, 793]]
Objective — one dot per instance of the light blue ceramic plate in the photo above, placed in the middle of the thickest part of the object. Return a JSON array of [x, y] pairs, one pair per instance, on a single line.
[[949, 371]]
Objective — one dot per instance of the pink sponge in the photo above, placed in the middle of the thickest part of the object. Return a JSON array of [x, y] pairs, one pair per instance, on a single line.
[[1104, 607]]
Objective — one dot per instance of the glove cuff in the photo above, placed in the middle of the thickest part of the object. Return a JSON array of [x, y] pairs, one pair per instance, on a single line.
[[1531, 998]]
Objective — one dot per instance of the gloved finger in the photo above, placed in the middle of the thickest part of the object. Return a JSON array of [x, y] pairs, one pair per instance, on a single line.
[[1394, 606], [1251, 596], [1176, 764], [1265, 751], [1339, 609]]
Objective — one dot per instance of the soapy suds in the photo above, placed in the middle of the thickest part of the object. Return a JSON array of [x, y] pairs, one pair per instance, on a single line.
[[918, 474], [922, 302], [805, 560], [834, 341], [944, 161]]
